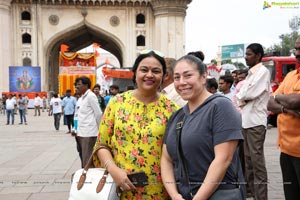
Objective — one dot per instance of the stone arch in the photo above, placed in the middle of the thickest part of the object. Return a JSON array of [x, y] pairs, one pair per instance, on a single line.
[[25, 15], [77, 37], [26, 38], [140, 18], [140, 40]]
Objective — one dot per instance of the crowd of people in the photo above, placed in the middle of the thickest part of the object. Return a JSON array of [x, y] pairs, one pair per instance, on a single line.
[[193, 136]]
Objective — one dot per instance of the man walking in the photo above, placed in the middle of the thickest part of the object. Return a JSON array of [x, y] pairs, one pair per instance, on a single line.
[[286, 103], [56, 109], [21, 104], [37, 104], [68, 108], [253, 99], [88, 114], [10, 107]]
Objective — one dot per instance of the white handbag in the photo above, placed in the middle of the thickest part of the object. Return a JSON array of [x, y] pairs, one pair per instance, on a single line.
[[93, 184]]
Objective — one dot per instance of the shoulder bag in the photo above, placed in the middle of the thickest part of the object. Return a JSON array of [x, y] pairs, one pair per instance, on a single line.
[[93, 183]]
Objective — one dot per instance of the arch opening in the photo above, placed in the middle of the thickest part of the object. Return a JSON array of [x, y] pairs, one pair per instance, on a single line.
[[77, 39]]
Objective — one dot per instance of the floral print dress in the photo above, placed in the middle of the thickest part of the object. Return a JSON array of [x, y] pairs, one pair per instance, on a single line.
[[134, 131]]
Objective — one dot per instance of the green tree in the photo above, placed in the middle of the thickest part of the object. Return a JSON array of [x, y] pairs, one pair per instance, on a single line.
[[286, 45]]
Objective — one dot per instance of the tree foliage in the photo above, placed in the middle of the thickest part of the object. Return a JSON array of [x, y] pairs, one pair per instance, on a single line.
[[286, 46]]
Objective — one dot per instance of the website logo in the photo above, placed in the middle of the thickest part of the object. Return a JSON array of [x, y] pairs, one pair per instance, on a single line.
[[282, 4], [266, 5]]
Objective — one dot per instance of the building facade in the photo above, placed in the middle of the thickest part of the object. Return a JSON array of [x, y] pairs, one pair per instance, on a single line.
[[33, 30]]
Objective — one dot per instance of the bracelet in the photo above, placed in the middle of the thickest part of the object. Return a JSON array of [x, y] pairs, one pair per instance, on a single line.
[[282, 109], [107, 163]]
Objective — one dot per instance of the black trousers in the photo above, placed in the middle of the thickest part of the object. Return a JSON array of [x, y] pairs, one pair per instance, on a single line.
[[70, 121], [290, 167]]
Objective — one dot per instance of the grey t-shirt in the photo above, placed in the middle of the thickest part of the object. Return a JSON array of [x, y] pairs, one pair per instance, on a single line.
[[21, 103], [215, 121]]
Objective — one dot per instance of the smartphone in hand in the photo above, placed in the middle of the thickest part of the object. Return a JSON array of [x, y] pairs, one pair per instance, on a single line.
[[138, 179]]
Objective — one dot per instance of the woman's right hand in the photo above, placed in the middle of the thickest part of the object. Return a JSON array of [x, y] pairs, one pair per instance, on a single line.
[[120, 177]]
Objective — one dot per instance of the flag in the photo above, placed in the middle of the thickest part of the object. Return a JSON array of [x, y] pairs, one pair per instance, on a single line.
[[64, 47]]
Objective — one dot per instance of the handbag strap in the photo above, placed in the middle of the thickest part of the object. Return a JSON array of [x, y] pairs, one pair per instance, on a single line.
[[180, 152], [86, 168], [181, 158]]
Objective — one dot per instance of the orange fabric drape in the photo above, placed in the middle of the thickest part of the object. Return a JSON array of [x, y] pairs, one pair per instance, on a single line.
[[66, 81]]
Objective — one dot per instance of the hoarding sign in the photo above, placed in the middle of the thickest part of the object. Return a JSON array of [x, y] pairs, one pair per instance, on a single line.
[[24, 79], [233, 51]]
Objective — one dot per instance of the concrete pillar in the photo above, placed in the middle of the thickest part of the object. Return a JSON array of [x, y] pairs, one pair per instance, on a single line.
[[5, 44], [170, 19]]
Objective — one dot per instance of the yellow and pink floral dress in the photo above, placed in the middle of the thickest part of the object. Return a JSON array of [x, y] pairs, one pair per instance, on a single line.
[[134, 131]]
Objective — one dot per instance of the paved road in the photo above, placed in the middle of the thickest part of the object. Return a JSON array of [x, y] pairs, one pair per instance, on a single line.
[[36, 161]]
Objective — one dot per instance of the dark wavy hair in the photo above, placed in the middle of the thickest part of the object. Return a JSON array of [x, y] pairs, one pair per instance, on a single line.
[[146, 55]]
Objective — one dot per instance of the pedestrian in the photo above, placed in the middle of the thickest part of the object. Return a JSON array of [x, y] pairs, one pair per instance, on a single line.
[[200, 157], [16, 107], [88, 115], [37, 104], [68, 109], [26, 103], [56, 109], [21, 104], [1, 105], [10, 107], [168, 88], [133, 126], [96, 90], [212, 85], [44, 100], [286, 103], [253, 99], [225, 85], [113, 91], [4, 97]]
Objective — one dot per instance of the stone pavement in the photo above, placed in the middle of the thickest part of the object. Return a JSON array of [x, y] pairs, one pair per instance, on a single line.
[[36, 161]]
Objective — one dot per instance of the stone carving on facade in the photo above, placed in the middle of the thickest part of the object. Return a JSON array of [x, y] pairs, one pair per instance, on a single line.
[[87, 3], [141, 32], [53, 19], [114, 21], [26, 54]]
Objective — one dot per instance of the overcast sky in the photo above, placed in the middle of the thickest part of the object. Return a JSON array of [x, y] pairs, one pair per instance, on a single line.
[[213, 23]]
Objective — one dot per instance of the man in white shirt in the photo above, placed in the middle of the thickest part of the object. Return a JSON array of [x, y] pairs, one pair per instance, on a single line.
[[253, 98], [56, 109], [88, 114], [10, 107], [168, 88], [37, 104]]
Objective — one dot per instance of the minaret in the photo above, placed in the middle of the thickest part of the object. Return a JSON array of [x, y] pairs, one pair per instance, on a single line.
[[5, 43], [170, 19]]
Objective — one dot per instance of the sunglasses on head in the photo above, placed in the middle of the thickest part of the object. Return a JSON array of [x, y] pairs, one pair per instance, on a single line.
[[146, 51]]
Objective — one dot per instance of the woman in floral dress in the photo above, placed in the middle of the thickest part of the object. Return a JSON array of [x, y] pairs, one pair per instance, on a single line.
[[133, 126]]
